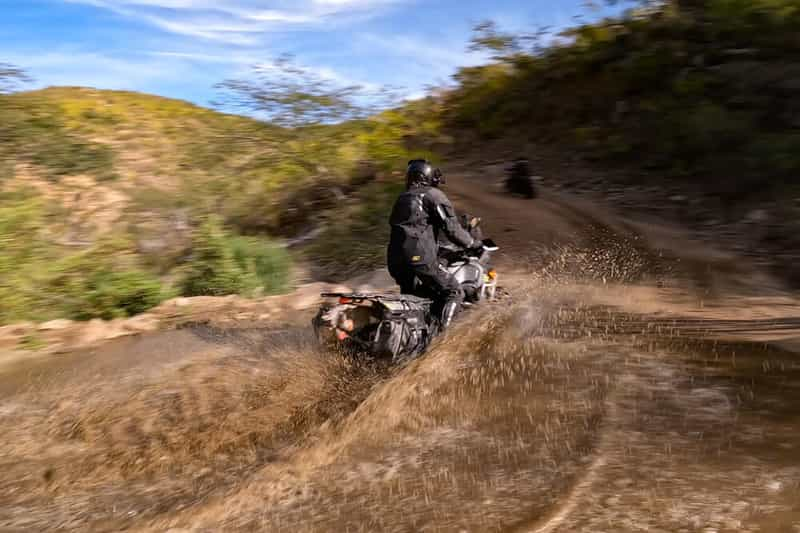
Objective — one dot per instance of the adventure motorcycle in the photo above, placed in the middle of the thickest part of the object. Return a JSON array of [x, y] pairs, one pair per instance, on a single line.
[[400, 326], [519, 180]]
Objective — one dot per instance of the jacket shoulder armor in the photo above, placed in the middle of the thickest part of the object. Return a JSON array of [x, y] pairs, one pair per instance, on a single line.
[[437, 195]]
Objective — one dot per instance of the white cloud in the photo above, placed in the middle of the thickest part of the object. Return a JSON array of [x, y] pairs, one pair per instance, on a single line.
[[439, 60], [238, 22], [244, 63], [225, 38], [229, 33], [353, 3], [416, 95], [270, 15], [233, 59], [71, 67]]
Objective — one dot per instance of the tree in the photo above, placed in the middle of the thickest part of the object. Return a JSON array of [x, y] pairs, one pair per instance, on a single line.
[[11, 78], [487, 37], [291, 95], [505, 47], [682, 6]]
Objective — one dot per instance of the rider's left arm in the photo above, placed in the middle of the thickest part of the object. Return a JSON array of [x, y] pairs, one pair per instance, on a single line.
[[449, 223]]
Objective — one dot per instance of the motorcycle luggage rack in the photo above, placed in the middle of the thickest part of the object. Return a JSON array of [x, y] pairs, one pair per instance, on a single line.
[[388, 297]]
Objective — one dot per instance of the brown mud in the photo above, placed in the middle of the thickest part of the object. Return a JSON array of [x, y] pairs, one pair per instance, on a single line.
[[635, 381]]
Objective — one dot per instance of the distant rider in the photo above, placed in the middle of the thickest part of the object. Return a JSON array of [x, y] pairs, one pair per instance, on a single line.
[[419, 216], [520, 178]]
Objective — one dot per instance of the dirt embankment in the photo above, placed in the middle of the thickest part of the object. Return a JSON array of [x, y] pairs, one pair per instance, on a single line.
[[617, 391]]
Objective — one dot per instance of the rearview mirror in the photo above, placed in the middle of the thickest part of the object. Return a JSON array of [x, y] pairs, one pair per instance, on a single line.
[[490, 246]]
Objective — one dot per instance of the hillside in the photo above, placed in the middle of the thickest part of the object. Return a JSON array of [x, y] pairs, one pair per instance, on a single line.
[[686, 111], [114, 200], [167, 154], [698, 88]]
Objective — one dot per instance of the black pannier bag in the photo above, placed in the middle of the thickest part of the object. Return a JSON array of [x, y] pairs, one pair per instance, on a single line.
[[403, 330], [386, 325]]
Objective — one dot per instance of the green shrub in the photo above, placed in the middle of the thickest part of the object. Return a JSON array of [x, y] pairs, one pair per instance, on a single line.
[[212, 270], [63, 156], [222, 264], [779, 152], [356, 240], [39, 282], [23, 255], [266, 264], [98, 117], [35, 131], [111, 294]]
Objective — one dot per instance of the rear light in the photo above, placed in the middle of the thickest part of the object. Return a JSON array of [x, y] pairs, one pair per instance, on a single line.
[[344, 301], [341, 335]]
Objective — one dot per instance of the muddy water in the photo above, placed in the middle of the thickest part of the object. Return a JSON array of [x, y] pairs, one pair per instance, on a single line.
[[550, 415]]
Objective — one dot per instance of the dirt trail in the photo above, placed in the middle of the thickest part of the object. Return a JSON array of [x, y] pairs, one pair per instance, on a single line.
[[632, 385], [535, 229]]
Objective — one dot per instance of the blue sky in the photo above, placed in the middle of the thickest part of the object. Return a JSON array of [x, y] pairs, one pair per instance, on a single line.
[[181, 48]]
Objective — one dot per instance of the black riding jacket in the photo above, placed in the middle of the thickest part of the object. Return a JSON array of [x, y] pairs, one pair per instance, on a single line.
[[418, 218], [446, 246]]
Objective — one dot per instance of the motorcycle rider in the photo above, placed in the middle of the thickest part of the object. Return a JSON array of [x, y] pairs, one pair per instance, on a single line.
[[419, 216], [520, 178]]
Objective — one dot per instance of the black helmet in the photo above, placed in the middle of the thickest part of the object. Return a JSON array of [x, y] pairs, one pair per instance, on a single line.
[[421, 172]]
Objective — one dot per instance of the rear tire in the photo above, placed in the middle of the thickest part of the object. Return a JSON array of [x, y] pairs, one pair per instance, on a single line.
[[521, 187], [528, 190]]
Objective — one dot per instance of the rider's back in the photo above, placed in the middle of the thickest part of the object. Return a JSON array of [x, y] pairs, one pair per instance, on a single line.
[[413, 239]]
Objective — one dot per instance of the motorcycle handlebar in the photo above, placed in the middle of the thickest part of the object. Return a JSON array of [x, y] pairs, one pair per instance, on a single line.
[[478, 251], [489, 245]]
